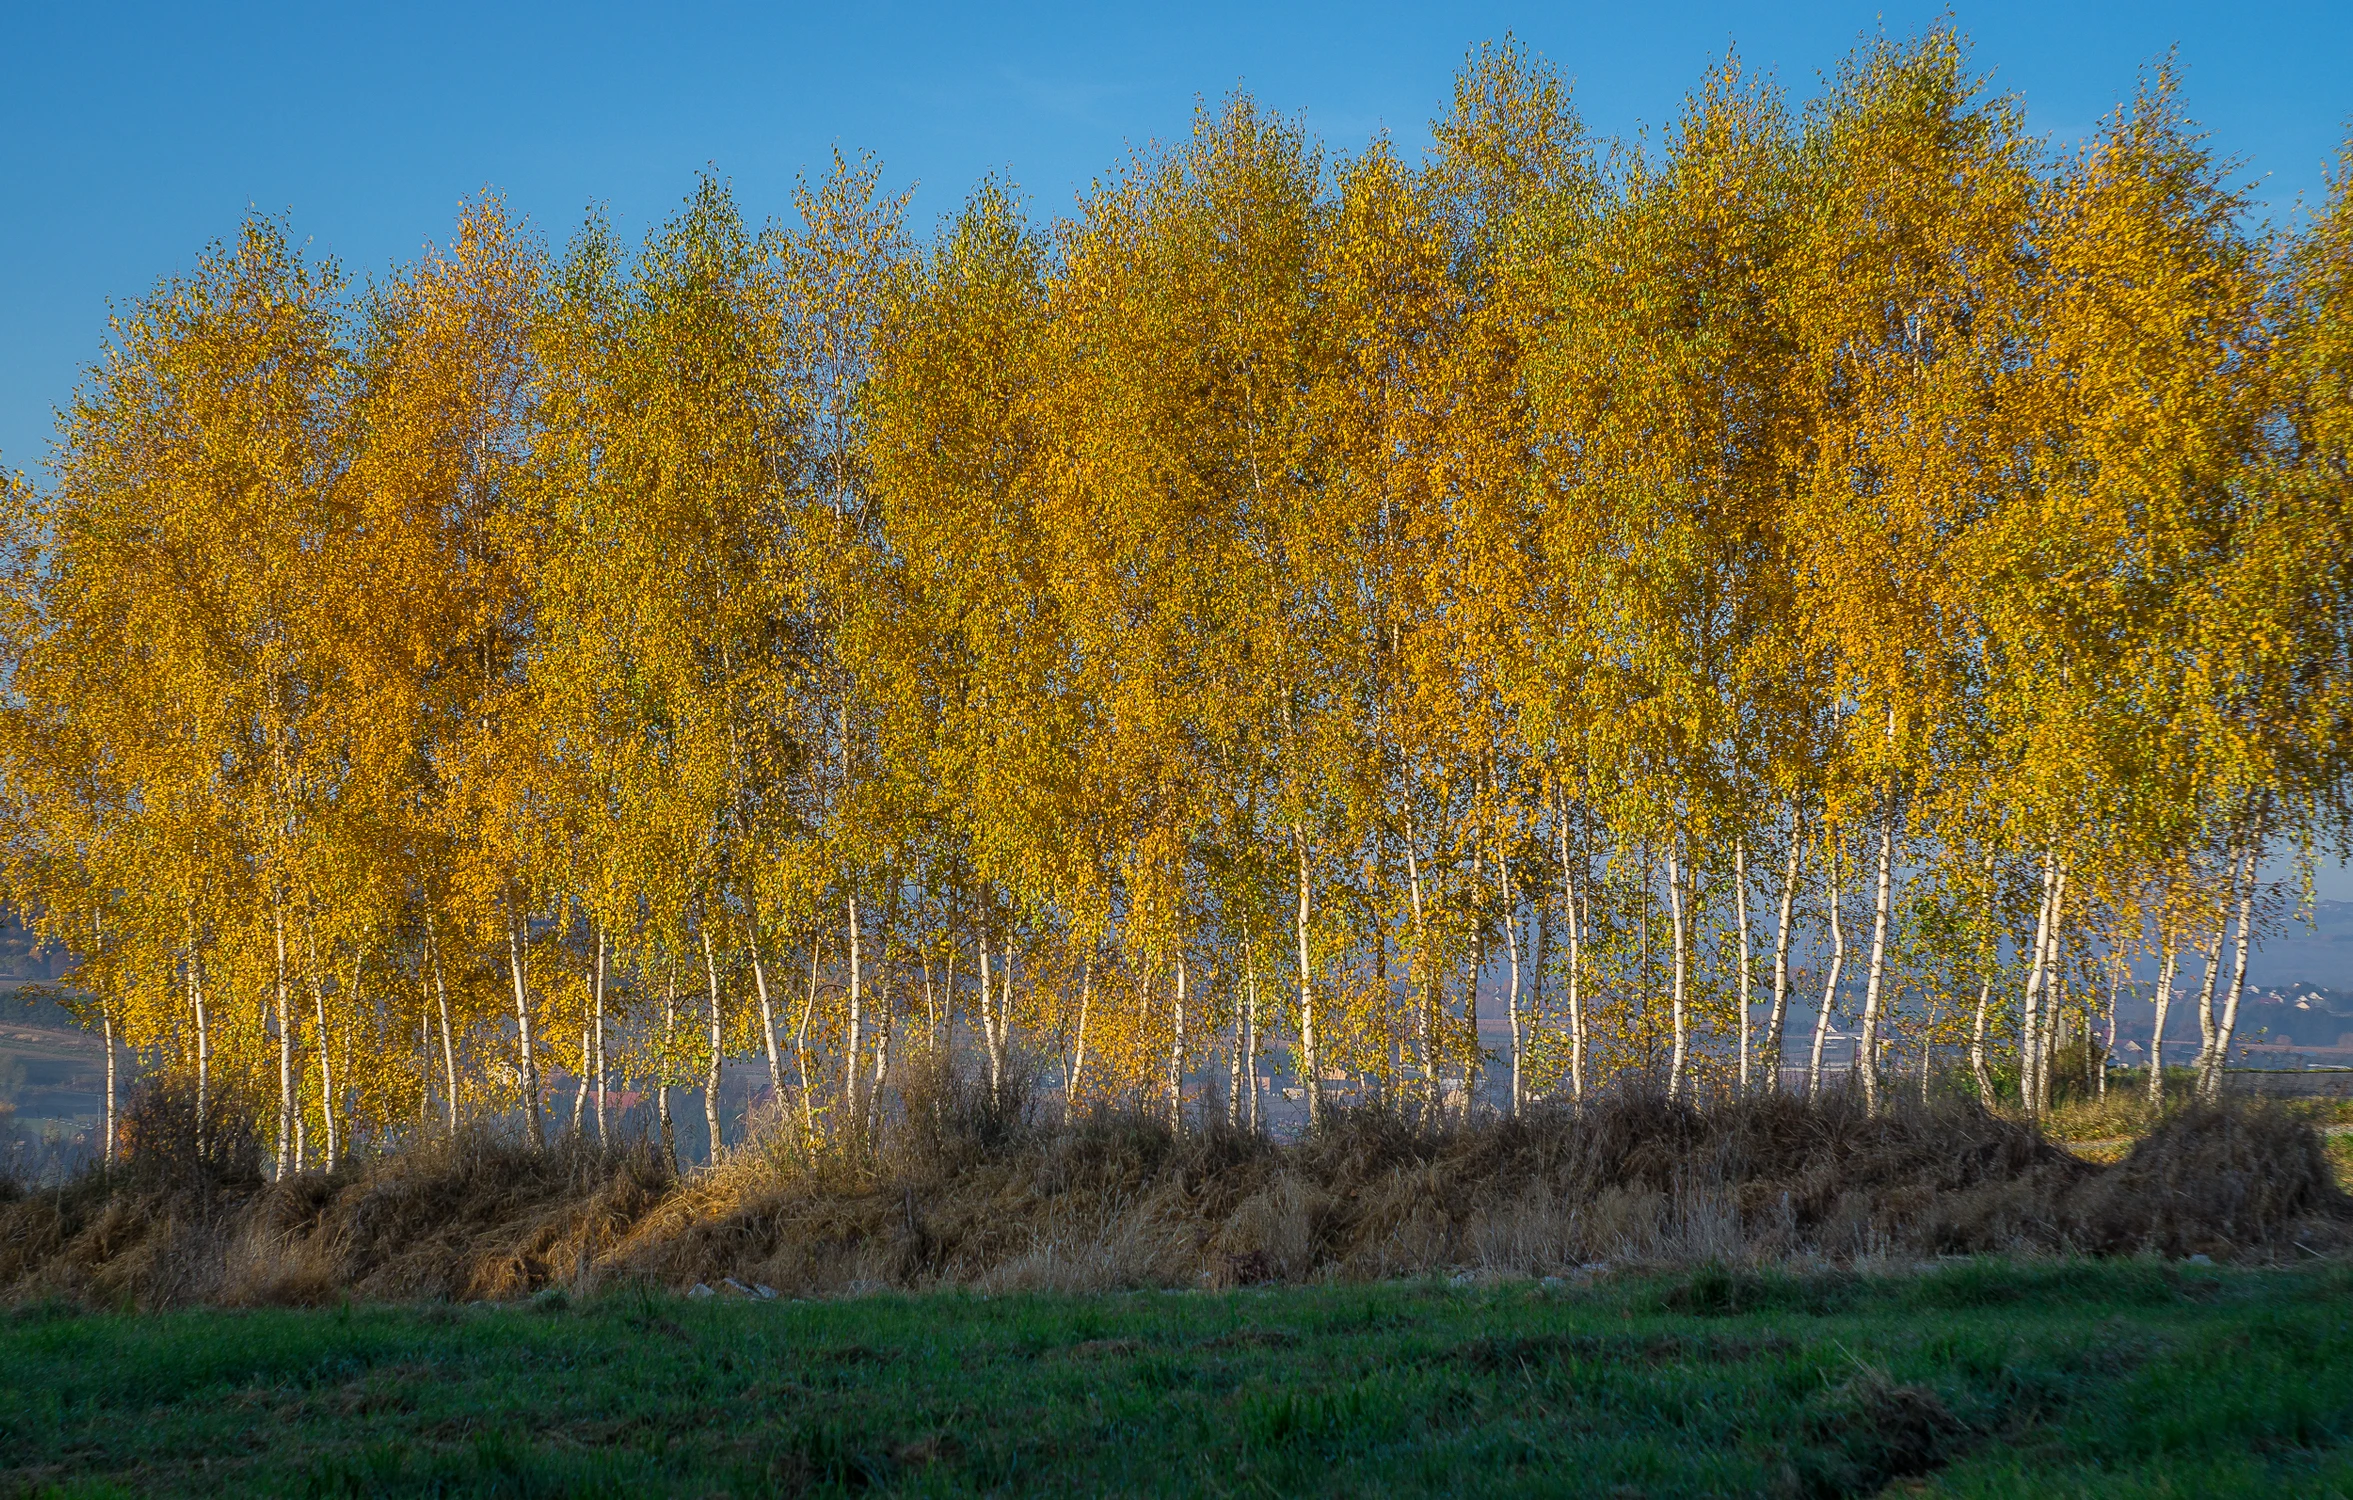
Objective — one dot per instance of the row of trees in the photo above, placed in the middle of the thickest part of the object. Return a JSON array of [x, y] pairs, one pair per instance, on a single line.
[[1211, 631]]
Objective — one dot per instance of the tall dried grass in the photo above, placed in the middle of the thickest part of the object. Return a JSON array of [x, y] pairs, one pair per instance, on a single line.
[[966, 1192]]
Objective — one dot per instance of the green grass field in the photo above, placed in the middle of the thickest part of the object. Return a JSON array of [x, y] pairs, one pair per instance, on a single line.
[[1977, 1378]]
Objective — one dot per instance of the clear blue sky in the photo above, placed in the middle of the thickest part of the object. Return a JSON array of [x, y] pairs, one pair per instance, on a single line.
[[132, 135]]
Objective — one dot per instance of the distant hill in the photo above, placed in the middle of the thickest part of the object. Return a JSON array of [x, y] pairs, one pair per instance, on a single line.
[[2319, 954]]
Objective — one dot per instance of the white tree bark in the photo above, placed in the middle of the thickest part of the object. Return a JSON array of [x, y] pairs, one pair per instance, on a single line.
[[2238, 974], [1830, 985], [601, 1073], [286, 1120], [1740, 912], [449, 1051], [718, 1042], [1781, 931], [1176, 1058], [1867, 1048], [2164, 1002], [1311, 1064], [1573, 893], [2029, 1034], [1682, 939], [1511, 946], [529, 1057], [751, 937]]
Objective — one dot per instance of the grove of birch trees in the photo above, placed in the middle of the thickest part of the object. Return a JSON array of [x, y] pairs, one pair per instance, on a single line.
[[1828, 594]]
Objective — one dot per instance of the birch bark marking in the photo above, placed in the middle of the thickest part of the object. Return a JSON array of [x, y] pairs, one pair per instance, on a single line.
[[1572, 892], [1078, 1062], [1250, 1014], [669, 1059], [2163, 1000], [1511, 945], [1681, 928], [1830, 986], [285, 1047], [751, 938], [1987, 961], [801, 1045], [1425, 1003], [106, 1023], [203, 1054], [1740, 911], [530, 1060], [1307, 1047], [1977, 1067], [2108, 1041], [587, 1072], [600, 1034], [857, 1009], [2238, 974], [2029, 1039], [1233, 1068], [2211, 951], [318, 1000], [1867, 1048], [882, 1032], [1005, 962], [2050, 1016], [988, 1025], [449, 1051], [712, 1080], [1780, 1013], [1176, 1058]]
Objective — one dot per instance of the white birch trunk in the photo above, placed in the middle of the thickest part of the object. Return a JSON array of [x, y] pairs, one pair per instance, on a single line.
[[1176, 1059], [2029, 1037], [1977, 1066], [857, 1011], [1312, 1064], [751, 936], [530, 1058], [669, 1061], [1078, 1062], [2045, 1054], [1572, 894], [203, 1057], [2238, 976], [599, 1001], [801, 1047], [106, 1022], [1425, 992], [1867, 1048], [1511, 944], [449, 1051], [1779, 1018], [2212, 953], [286, 1120], [318, 997], [1830, 986], [2164, 1002], [587, 1072], [1682, 939], [1740, 913], [718, 1042], [988, 1021]]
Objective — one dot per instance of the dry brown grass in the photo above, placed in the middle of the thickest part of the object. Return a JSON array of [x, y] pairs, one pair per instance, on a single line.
[[966, 1196]]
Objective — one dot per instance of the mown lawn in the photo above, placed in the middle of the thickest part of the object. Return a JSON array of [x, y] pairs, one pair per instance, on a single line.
[[1973, 1379]]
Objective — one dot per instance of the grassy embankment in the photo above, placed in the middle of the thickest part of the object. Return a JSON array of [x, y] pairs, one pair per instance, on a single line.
[[2124, 1377], [1071, 1308]]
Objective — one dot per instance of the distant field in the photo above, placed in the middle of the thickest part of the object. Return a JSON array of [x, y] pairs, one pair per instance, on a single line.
[[1977, 1378]]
